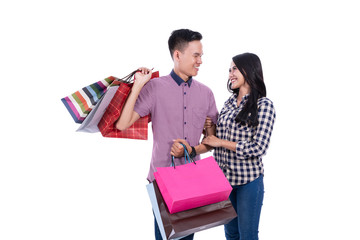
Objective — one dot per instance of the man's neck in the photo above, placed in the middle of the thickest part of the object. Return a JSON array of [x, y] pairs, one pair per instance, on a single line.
[[181, 75]]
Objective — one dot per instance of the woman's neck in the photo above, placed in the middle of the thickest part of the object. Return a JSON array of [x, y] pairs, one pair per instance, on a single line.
[[242, 93]]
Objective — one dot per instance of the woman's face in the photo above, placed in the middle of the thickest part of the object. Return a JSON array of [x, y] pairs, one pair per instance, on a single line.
[[236, 78]]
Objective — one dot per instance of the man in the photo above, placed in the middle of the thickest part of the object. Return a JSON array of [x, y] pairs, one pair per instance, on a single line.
[[178, 105]]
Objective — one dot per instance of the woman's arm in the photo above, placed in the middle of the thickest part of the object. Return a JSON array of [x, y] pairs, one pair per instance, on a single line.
[[259, 143], [177, 149], [214, 141]]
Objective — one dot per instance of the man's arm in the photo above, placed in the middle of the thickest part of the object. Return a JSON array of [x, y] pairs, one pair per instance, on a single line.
[[177, 150], [128, 115]]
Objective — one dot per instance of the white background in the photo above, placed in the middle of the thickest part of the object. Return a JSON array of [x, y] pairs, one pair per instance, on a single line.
[[56, 183]]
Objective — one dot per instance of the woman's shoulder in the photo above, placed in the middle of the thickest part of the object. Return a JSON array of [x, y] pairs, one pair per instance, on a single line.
[[265, 102]]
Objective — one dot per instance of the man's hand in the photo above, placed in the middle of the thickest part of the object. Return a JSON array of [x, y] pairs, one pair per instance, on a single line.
[[142, 77], [177, 150], [128, 115]]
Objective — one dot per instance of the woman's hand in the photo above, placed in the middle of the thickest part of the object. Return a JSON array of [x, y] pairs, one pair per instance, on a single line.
[[209, 127], [208, 123], [142, 77], [212, 141]]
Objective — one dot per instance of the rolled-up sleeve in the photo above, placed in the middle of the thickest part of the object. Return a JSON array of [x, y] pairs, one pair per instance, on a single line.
[[258, 145]]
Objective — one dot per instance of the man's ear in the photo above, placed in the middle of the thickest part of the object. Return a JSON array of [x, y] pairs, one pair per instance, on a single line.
[[176, 55]]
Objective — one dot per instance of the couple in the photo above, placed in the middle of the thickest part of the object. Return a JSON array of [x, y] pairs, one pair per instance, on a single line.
[[180, 107]]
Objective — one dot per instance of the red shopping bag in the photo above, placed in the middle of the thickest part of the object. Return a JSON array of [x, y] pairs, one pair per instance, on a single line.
[[192, 185], [139, 130]]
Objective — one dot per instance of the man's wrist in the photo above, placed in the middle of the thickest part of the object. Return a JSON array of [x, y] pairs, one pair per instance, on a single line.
[[137, 87], [192, 155]]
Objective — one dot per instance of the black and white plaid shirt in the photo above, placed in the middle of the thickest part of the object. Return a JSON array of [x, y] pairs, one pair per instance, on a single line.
[[244, 165]]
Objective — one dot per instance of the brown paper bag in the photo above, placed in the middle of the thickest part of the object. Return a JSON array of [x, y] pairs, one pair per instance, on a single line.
[[190, 221]]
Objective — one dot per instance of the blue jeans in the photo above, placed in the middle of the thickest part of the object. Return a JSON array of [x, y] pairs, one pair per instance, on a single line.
[[159, 237], [247, 200]]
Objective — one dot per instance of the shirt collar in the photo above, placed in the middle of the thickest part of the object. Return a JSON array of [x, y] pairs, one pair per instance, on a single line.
[[178, 79], [245, 98], [233, 100]]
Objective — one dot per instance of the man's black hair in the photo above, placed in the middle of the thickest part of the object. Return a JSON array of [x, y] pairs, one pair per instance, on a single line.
[[180, 38]]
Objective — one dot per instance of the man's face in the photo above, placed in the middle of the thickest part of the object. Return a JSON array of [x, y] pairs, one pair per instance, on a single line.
[[190, 59]]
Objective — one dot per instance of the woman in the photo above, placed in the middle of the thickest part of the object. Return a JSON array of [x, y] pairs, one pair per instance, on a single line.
[[242, 137]]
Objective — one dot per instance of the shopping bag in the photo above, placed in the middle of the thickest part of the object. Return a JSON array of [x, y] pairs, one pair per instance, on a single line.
[[192, 185], [139, 130], [90, 124], [181, 224], [80, 103]]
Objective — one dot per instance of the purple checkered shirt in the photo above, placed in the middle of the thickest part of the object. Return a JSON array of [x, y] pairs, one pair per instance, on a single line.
[[178, 110]]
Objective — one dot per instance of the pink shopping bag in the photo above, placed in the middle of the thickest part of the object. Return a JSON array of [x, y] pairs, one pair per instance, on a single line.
[[192, 185]]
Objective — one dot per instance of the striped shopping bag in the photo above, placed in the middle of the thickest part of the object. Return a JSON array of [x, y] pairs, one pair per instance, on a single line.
[[80, 103]]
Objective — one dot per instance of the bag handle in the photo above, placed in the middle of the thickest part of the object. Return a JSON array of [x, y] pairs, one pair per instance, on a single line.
[[188, 159], [128, 78]]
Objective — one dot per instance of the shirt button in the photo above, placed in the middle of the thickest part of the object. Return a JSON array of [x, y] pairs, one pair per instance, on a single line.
[[185, 138], [184, 93], [184, 122], [184, 107]]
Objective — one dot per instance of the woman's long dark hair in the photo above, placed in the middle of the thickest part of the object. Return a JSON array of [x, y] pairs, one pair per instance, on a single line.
[[249, 65]]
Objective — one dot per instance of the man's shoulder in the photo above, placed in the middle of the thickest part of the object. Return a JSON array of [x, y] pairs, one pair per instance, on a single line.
[[159, 80], [156, 83], [201, 86]]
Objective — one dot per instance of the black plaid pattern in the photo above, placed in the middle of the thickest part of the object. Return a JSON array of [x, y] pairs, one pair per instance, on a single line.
[[244, 165]]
